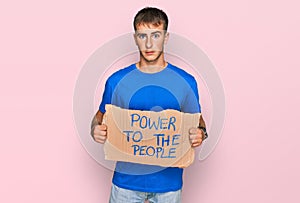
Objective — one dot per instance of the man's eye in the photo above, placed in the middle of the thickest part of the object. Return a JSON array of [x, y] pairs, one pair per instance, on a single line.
[[156, 36], [142, 36]]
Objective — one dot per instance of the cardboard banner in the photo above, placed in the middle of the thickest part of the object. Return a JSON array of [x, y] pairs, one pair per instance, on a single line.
[[147, 137]]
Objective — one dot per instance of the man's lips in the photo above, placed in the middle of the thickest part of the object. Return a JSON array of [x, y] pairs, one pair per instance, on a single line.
[[149, 52]]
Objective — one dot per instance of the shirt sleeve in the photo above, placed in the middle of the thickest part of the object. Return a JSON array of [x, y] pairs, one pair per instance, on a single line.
[[191, 103], [106, 98]]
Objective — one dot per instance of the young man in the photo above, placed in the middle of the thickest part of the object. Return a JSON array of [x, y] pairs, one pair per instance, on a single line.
[[150, 84]]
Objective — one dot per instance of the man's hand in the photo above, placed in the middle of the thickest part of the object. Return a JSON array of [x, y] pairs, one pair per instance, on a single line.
[[196, 136], [99, 133], [98, 130]]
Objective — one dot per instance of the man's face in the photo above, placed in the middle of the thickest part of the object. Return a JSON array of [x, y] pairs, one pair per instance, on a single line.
[[150, 40]]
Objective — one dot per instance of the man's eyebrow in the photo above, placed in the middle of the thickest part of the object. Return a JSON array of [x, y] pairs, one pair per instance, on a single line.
[[158, 31]]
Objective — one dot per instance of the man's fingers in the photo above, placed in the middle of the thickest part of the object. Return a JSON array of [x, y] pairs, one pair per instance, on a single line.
[[102, 127], [193, 130], [195, 137], [97, 131], [100, 133], [100, 141], [100, 137], [196, 144]]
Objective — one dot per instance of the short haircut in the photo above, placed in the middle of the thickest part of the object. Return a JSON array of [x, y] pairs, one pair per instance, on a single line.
[[151, 15]]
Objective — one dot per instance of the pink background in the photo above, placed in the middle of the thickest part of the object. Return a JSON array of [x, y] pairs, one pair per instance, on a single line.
[[254, 46]]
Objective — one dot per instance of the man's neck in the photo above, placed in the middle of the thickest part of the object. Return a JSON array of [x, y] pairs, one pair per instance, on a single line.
[[152, 66]]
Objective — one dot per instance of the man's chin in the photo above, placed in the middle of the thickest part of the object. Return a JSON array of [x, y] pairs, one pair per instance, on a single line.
[[151, 58]]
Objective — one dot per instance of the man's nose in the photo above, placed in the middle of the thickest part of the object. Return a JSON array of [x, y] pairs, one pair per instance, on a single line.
[[149, 42]]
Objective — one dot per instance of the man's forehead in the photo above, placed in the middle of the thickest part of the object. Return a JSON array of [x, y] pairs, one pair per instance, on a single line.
[[149, 31], [149, 28]]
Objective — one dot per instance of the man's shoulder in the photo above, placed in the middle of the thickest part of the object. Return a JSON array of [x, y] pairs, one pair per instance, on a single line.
[[119, 74], [182, 72]]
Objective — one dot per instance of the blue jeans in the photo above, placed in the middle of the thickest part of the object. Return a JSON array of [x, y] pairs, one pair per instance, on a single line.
[[120, 195]]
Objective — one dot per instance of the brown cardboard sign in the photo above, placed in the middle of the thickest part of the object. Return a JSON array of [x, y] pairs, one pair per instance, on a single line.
[[147, 137]]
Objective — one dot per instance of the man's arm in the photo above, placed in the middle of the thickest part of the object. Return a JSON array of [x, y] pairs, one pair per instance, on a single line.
[[202, 122], [98, 130], [196, 134]]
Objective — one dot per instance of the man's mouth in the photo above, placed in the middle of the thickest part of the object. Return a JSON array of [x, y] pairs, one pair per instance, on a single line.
[[149, 52]]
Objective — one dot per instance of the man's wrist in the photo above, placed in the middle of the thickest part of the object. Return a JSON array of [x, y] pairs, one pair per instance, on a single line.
[[204, 132]]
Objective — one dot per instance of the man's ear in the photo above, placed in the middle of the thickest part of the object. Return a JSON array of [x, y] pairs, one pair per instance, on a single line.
[[166, 37]]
